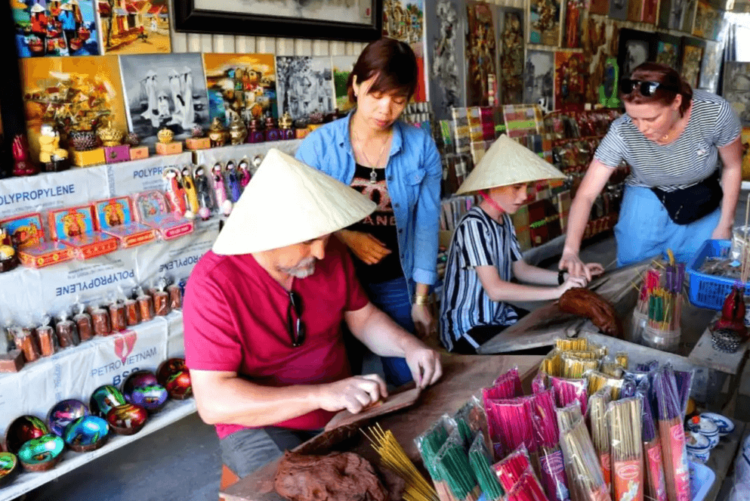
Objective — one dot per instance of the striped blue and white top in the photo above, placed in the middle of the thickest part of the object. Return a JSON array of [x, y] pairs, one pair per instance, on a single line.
[[478, 241], [687, 161]]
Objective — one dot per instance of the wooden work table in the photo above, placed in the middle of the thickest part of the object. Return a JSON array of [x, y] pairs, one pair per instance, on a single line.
[[463, 376]]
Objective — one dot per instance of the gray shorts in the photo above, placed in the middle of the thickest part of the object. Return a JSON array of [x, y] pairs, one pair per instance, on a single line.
[[246, 450]]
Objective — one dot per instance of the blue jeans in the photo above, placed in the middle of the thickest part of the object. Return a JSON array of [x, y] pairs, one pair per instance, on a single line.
[[645, 229], [393, 298]]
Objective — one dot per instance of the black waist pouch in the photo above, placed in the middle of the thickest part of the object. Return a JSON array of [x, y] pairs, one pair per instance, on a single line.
[[693, 203]]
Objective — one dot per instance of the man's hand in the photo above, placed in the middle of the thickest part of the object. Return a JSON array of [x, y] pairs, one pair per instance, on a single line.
[[424, 322], [353, 394], [424, 363]]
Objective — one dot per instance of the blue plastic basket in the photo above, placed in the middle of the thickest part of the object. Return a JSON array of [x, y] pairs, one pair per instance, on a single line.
[[701, 479], [708, 291]]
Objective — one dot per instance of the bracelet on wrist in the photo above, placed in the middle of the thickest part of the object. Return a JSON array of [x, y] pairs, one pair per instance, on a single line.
[[421, 299]]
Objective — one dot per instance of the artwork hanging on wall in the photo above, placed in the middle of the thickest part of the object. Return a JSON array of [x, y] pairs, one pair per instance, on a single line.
[[668, 50], [573, 26], [635, 11], [304, 84], [342, 68], [618, 9], [511, 55], [692, 55], [331, 20], [650, 11], [711, 66], [737, 89], [240, 84], [600, 7], [677, 15], [544, 19], [708, 21], [72, 92], [55, 28], [600, 43], [445, 23], [404, 21], [539, 78], [636, 47], [570, 84], [164, 90], [480, 53], [129, 27]]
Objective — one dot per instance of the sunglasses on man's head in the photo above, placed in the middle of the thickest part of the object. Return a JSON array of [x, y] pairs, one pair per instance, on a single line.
[[295, 327], [646, 88]]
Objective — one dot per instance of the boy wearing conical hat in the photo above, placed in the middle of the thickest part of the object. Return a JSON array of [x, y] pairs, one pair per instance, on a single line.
[[263, 313], [485, 256]]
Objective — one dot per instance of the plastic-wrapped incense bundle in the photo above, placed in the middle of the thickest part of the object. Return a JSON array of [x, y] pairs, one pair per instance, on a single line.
[[452, 464], [570, 390], [582, 465], [574, 344], [655, 489], [471, 420], [588, 355], [621, 357], [597, 418], [552, 363], [512, 421], [552, 465], [670, 413], [429, 444], [612, 369], [597, 381], [624, 419], [527, 489], [568, 416], [479, 459], [509, 384], [510, 469], [574, 367], [539, 383], [601, 351]]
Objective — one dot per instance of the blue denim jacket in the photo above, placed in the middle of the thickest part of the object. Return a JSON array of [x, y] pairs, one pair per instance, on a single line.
[[413, 176]]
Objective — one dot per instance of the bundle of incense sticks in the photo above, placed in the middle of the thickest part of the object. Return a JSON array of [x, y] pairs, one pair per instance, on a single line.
[[598, 380], [479, 459], [670, 413], [552, 363], [622, 358], [655, 483], [568, 416], [589, 355], [510, 469], [393, 456], [627, 389], [582, 465], [452, 464], [509, 383], [547, 436], [660, 296], [612, 369], [539, 383], [570, 390], [568, 344], [574, 367], [627, 450], [597, 419], [471, 420], [512, 421], [429, 444], [527, 489]]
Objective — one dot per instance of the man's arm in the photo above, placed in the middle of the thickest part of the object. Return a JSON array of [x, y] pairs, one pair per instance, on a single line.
[[386, 338], [223, 397]]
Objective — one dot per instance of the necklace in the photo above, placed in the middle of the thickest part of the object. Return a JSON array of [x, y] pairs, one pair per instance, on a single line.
[[373, 174]]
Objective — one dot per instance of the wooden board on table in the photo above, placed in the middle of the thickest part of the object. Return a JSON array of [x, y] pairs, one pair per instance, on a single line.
[[463, 376], [545, 324], [704, 354], [722, 457], [392, 404]]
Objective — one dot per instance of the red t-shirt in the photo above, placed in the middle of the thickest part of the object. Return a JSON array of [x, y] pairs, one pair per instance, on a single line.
[[235, 317]]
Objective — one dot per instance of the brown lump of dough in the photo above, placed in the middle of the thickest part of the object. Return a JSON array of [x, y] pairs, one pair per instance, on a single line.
[[591, 305], [335, 477]]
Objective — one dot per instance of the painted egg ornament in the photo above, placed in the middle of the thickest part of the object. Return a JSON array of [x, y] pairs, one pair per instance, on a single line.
[[127, 419], [174, 375], [22, 430], [42, 454], [104, 399], [63, 413], [8, 467], [87, 433], [142, 388]]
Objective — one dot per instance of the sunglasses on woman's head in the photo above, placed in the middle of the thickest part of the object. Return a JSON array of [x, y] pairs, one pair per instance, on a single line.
[[646, 88], [295, 327]]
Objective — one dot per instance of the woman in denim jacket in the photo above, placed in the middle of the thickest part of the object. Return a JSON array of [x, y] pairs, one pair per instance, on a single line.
[[398, 167]]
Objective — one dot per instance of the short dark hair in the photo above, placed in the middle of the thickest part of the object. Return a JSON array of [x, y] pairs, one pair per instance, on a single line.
[[392, 61], [665, 75]]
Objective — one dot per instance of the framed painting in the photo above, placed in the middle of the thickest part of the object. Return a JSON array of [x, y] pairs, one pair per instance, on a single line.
[[572, 37], [511, 55], [544, 22], [327, 19], [445, 24], [677, 15], [636, 47], [342, 68], [134, 27], [711, 66], [692, 55], [668, 50], [539, 79], [304, 84], [570, 83], [480, 53], [708, 21], [618, 9], [54, 28], [737, 89]]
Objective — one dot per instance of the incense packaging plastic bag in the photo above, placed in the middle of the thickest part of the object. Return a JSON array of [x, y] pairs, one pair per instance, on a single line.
[[429, 444], [582, 465], [670, 413], [574, 367], [598, 380], [597, 419], [655, 488], [547, 435], [569, 390], [568, 416], [527, 489], [479, 459], [510, 469], [539, 383], [452, 465], [512, 421], [508, 384], [471, 420], [624, 419]]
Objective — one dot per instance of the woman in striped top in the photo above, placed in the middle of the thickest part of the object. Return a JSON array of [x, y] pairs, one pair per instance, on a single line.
[[676, 196]]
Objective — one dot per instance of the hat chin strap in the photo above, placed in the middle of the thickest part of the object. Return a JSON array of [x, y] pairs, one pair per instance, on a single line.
[[491, 202]]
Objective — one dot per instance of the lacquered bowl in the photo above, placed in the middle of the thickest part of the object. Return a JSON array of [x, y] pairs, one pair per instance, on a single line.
[[63, 413], [8, 467], [87, 433], [23, 429], [104, 399], [174, 375], [142, 388], [42, 454], [127, 419]]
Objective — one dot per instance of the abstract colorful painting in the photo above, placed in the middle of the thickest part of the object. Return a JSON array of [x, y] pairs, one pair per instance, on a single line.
[[511, 56], [480, 53], [304, 84], [403, 20], [708, 21], [342, 68], [668, 50], [544, 22], [72, 92], [570, 83], [134, 26], [55, 28], [240, 84]]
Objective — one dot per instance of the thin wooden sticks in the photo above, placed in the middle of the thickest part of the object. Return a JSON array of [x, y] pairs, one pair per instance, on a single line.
[[624, 418]]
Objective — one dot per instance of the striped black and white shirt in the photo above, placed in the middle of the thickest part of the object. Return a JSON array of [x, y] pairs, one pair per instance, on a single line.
[[478, 241], [687, 161]]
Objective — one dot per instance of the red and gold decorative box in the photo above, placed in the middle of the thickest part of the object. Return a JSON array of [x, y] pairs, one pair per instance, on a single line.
[[115, 217], [115, 154], [197, 143], [153, 211], [27, 234], [173, 148], [138, 152], [76, 228]]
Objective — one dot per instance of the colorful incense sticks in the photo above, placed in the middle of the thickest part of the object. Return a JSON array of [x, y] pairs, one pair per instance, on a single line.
[[582, 465], [452, 464], [570, 390], [510, 469], [655, 488], [479, 460], [670, 413], [527, 489], [599, 429], [624, 419], [547, 436]]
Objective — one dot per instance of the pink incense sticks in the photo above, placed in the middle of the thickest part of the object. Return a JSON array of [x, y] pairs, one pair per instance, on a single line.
[[510, 470], [526, 489], [569, 390], [547, 435]]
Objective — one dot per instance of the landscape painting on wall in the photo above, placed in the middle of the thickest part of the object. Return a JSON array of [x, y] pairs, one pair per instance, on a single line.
[[134, 27], [55, 28]]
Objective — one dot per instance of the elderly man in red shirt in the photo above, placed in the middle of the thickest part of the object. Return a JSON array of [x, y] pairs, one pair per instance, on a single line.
[[263, 314]]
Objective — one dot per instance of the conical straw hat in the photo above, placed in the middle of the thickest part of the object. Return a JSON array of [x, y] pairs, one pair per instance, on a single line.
[[506, 163], [286, 203]]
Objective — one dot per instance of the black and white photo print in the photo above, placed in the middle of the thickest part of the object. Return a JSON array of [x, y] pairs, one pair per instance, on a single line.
[[304, 84]]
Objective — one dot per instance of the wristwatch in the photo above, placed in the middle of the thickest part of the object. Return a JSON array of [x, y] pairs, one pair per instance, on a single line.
[[561, 277]]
